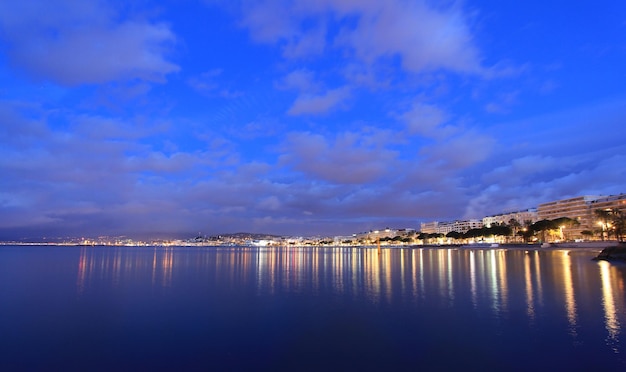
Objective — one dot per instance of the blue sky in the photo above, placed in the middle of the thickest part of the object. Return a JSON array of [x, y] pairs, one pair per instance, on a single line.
[[303, 117]]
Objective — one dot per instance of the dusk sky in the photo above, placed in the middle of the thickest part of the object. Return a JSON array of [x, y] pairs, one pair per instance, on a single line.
[[304, 117]]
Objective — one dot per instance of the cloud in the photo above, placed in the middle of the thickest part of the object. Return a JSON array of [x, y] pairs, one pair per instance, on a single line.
[[424, 119], [346, 159], [562, 177], [423, 36], [205, 82], [503, 103], [302, 80], [208, 84], [459, 152], [309, 104], [312, 97], [75, 43]]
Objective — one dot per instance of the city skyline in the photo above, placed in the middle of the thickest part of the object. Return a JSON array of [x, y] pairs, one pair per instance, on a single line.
[[302, 117]]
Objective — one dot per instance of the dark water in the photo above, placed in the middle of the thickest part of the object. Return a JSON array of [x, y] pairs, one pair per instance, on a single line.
[[99, 308]]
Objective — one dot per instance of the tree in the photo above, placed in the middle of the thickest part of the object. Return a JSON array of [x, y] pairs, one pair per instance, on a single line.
[[541, 227], [515, 226], [499, 230], [564, 222], [423, 237], [619, 223], [611, 220], [397, 239], [603, 216], [526, 233], [473, 233], [454, 235], [587, 233]]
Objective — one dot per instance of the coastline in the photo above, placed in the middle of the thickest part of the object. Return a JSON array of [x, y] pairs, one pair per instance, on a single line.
[[613, 253]]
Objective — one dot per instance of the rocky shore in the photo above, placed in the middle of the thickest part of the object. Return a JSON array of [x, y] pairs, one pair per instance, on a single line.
[[616, 252]]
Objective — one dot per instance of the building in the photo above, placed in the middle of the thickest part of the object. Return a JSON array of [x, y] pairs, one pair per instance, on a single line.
[[429, 227], [461, 226], [373, 235], [609, 202], [578, 208], [505, 218]]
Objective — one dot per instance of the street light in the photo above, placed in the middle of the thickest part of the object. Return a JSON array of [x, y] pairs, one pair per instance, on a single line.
[[603, 228]]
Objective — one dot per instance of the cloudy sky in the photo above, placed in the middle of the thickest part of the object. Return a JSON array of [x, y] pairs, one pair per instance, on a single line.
[[169, 118]]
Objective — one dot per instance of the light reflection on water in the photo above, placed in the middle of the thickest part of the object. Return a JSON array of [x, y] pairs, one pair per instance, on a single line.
[[505, 299], [611, 316], [408, 274]]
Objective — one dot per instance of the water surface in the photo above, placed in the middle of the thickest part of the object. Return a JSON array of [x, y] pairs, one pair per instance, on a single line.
[[239, 308]]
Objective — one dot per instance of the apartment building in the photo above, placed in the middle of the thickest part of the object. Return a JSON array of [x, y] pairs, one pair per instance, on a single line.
[[429, 227], [578, 208], [461, 226], [520, 216], [609, 202]]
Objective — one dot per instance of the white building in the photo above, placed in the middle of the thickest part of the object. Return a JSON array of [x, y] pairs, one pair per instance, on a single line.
[[461, 226], [520, 216]]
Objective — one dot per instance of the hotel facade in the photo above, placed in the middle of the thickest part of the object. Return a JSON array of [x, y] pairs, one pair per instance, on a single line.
[[580, 208]]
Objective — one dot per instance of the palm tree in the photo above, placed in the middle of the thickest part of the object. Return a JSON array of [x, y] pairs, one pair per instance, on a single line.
[[612, 220], [619, 223], [603, 216]]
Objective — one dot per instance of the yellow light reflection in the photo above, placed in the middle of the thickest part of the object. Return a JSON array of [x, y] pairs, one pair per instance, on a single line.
[[415, 273], [493, 276], [538, 277], [611, 320], [154, 265], [502, 280], [167, 264], [568, 289], [530, 301], [422, 284], [83, 271], [473, 278], [387, 269], [450, 275]]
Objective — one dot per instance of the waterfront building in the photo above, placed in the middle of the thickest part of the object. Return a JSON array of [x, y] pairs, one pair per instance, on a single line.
[[521, 217], [339, 240], [466, 225], [609, 202], [461, 226], [379, 234], [578, 208], [429, 227]]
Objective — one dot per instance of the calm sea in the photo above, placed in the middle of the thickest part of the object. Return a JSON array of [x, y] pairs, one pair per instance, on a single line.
[[206, 308]]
